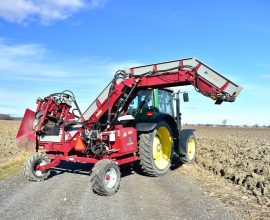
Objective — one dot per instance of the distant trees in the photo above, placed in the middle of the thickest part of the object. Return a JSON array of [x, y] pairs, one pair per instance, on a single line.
[[5, 117], [8, 117], [224, 122], [226, 125]]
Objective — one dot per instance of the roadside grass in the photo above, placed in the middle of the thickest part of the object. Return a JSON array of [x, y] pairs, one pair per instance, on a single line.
[[13, 165]]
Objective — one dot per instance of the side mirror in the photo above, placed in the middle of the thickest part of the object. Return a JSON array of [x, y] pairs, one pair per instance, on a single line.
[[185, 97]]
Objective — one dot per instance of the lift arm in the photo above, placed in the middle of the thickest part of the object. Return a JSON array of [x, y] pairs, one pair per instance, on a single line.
[[182, 72]]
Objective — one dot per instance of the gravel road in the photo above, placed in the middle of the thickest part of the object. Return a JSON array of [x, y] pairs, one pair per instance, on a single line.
[[67, 195]]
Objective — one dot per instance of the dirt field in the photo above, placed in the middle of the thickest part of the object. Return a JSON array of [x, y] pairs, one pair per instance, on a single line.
[[233, 164], [241, 157], [8, 132]]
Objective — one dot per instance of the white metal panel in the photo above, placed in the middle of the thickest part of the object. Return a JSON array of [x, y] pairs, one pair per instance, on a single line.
[[101, 98], [141, 70], [57, 138], [164, 66], [211, 76], [104, 95], [204, 71], [190, 61], [90, 111], [51, 138], [231, 89]]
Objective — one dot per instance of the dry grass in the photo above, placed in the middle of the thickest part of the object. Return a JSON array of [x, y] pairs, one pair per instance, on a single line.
[[13, 165], [11, 158]]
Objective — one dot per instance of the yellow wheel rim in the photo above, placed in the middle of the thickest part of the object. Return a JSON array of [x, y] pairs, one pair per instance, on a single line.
[[191, 149], [162, 148]]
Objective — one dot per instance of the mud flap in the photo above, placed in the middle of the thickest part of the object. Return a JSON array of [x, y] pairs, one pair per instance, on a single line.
[[26, 137]]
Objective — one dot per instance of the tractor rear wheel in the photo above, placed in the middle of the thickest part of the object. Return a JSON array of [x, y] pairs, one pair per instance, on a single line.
[[155, 150], [105, 177], [29, 169]]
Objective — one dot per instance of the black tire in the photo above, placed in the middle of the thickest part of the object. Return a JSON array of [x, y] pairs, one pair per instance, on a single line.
[[189, 155], [29, 169], [146, 153], [102, 170]]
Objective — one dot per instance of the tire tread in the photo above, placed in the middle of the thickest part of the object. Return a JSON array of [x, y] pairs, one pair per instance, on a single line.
[[96, 178], [145, 151], [28, 168]]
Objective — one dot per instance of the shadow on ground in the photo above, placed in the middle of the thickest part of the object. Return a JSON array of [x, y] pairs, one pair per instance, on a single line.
[[85, 169]]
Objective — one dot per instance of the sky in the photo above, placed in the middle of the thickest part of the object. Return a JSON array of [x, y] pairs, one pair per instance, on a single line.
[[48, 46]]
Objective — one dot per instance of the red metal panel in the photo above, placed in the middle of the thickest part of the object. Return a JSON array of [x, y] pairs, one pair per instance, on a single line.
[[182, 77], [26, 137], [225, 85], [98, 103], [198, 66], [125, 140], [73, 158]]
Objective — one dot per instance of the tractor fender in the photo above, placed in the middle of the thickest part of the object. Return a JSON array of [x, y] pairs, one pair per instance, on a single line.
[[151, 125], [146, 126], [183, 137]]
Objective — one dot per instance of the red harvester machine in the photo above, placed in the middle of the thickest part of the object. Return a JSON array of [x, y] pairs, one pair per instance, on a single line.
[[133, 118]]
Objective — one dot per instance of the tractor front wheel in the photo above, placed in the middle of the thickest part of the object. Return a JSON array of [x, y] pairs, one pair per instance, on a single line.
[[155, 150], [30, 171], [105, 177]]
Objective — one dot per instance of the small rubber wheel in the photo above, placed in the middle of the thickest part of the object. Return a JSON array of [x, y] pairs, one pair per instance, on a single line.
[[105, 177], [29, 169], [189, 145]]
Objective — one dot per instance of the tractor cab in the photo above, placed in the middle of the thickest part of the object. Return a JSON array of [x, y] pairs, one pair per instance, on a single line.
[[150, 104]]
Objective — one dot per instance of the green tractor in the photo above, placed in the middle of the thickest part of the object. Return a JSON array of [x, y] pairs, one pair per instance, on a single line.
[[158, 122]]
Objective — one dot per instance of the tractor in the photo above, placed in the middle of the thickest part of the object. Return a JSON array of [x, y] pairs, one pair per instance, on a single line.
[[135, 118]]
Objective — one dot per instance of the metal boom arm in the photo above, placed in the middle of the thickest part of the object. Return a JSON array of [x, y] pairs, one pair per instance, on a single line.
[[182, 72]]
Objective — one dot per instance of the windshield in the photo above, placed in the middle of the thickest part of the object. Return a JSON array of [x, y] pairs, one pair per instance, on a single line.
[[144, 99]]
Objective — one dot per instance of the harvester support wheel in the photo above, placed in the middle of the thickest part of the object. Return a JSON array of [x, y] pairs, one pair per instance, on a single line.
[[155, 150], [188, 147], [30, 165], [105, 177]]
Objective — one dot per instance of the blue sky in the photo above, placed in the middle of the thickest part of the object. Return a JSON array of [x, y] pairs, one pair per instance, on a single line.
[[48, 46]]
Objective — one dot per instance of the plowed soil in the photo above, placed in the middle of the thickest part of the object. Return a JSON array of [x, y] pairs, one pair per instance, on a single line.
[[240, 157], [8, 132]]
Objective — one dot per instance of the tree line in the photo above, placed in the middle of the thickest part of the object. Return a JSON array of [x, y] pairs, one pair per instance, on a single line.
[[8, 117]]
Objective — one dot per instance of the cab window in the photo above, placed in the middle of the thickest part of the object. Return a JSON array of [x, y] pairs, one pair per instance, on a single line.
[[165, 104]]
